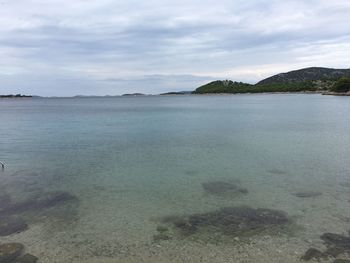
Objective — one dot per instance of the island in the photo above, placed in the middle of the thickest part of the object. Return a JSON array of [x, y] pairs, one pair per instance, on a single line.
[[133, 94], [177, 93], [15, 96], [326, 81]]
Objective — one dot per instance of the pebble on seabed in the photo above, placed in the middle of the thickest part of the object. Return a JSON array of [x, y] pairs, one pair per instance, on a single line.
[[10, 251]]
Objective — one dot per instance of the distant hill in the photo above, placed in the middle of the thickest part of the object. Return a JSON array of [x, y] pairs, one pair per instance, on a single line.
[[223, 86], [313, 79], [306, 74]]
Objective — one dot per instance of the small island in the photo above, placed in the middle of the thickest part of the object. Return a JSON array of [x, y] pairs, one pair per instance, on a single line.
[[177, 93], [15, 96], [133, 94]]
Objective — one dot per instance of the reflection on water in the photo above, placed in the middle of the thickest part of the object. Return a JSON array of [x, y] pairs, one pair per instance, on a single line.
[[251, 178]]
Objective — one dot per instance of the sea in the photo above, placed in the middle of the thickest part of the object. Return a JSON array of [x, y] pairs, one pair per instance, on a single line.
[[119, 179]]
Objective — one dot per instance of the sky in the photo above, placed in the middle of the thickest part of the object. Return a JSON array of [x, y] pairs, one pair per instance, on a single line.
[[84, 47]]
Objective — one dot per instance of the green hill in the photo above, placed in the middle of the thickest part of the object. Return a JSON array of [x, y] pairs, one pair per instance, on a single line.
[[303, 80], [306, 74], [223, 86]]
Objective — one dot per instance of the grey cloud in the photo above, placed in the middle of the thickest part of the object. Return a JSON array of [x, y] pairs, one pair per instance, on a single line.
[[164, 45]]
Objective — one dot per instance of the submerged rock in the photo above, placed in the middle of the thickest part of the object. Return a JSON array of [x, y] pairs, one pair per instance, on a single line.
[[10, 251], [312, 253], [336, 245], [307, 194], [336, 240], [10, 225], [231, 221], [334, 251], [220, 188], [26, 258]]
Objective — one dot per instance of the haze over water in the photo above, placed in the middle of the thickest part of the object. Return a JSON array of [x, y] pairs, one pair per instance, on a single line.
[[133, 160]]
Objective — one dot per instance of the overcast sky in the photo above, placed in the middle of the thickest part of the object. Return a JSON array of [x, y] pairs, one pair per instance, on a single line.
[[69, 47]]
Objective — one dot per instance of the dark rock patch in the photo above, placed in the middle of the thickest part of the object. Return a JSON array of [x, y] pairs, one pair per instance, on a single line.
[[10, 251], [334, 251], [312, 253], [38, 203], [232, 221], [11, 225], [307, 194], [335, 240], [222, 188], [336, 245], [26, 258]]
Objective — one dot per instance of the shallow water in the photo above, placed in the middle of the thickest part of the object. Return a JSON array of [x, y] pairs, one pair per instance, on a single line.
[[131, 161]]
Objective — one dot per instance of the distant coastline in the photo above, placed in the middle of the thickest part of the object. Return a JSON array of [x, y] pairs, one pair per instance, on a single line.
[[313, 80]]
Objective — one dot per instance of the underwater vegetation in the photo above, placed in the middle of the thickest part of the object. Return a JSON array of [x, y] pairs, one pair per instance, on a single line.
[[231, 221], [222, 188]]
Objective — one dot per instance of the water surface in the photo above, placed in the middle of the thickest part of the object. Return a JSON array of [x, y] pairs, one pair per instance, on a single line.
[[132, 160]]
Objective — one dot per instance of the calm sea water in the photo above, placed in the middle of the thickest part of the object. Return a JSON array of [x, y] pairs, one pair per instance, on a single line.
[[132, 160]]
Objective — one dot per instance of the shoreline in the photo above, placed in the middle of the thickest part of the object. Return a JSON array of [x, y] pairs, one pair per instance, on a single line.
[[325, 93]]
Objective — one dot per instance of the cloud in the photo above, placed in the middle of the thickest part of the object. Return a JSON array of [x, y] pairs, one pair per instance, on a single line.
[[66, 48]]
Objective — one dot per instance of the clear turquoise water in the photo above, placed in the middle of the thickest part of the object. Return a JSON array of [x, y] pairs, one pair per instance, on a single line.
[[131, 160]]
